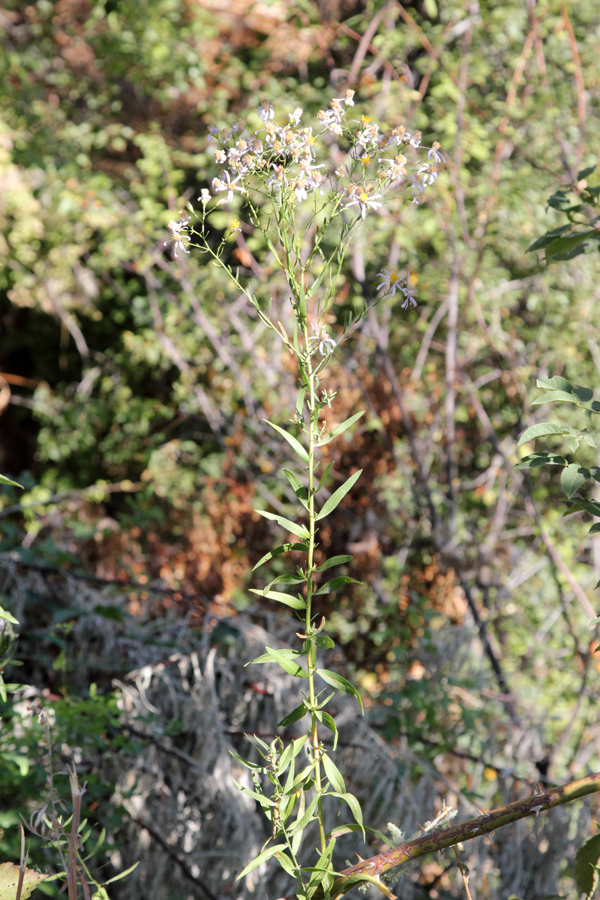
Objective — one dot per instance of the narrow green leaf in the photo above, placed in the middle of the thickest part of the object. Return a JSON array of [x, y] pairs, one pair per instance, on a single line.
[[328, 722], [586, 862], [338, 495], [341, 683], [260, 798], [292, 441], [339, 429], [5, 480], [335, 584], [280, 597], [324, 476], [333, 774], [286, 864], [261, 858], [294, 716], [354, 805], [541, 459], [290, 752], [334, 561], [555, 397], [302, 821], [537, 431], [244, 762], [595, 529], [283, 548], [595, 473], [286, 663], [572, 478], [300, 491], [300, 401], [290, 654], [300, 531], [286, 579], [8, 617]]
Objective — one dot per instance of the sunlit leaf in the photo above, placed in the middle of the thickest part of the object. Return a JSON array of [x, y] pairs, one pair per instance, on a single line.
[[283, 548], [537, 431], [341, 683], [280, 597], [292, 441], [339, 429], [334, 561], [338, 495], [261, 858], [336, 583], [572, 478], [300, 531]]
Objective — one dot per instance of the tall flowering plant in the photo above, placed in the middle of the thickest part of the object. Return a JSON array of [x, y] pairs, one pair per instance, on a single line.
[[307, 192]]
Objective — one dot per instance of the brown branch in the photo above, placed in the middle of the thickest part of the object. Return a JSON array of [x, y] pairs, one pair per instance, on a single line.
[[371, 870]]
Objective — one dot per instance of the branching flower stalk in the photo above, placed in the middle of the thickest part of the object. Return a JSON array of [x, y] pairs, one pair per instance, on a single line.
[[302, 213]]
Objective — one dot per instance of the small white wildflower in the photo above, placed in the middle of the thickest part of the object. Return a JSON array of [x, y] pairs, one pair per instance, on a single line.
[[266, 111], [435, 155], [326, 343], [226, 184], [391, 281], [409, 293], [364, 201], [348, 99], [204, 196], [177, 238], [296, 116], [220, 157], [418, 189]]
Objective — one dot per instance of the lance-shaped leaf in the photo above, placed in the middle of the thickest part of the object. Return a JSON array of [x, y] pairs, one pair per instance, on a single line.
[[300, 531], [341, 683], [572, 478], [324, 476], [292, 441], [334, 561], [280, 597], [283, 548], [5, 480], [338, 495], [294, 716], [302, 821], [261, 858], [537, 431], [354, 805], [339, 429], [260, 798], [283, 658], [289, 654], [300, 491], [336, 583], [333, 774], [328, 722]]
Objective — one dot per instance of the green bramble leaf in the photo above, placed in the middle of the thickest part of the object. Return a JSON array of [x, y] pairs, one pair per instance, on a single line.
[[572, 478], [339, 429], [556, 397], [300, 531], [335, 584], [595, 529], [338, 495], [587, 859], [341, 683], [261, 858], [283, 548], [334, 561], [541, 459], [280, 597], [537, 431], [292, 441], [555, 383], [590, 506]]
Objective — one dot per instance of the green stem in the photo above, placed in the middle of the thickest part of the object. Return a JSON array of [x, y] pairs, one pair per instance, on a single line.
[[311, 647]]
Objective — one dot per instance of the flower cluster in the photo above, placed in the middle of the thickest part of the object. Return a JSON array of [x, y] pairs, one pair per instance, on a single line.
[[179, 234], [283, 159], [392, 282]]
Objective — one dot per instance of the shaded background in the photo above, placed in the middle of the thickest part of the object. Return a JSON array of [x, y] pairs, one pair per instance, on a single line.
[[133, 389]]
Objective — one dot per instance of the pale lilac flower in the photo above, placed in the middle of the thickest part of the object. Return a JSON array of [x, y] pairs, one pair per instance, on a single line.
[[364, 201], [409, 294], [177, 238], [296, 116], [418, 189], [204, 196], [391, 281], [326, 343], [226, 184], [435, 155]]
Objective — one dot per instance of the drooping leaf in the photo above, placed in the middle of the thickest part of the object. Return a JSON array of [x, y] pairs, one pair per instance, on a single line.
[[339, 429], [303, 820], [341, 683], [333, 774], [572, 478], [537, 431], [541, 459], [328, 722], [260, 798], [591, 506], [298, 488], [280, 597], [338, 495], [9, 878], [300, 531], [261, 858], [283, 548], [294, 443], [286, 864], [354, 805], [586, 866]]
